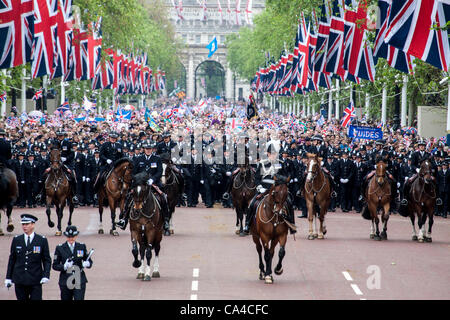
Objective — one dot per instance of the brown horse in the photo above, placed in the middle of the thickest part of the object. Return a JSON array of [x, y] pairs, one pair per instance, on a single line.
[[421, 201], [270, 228], [378, 196], [115, 190], [173, 186], [146, 226], [9, 191], [243, 190], [317, 192], [57, 190]]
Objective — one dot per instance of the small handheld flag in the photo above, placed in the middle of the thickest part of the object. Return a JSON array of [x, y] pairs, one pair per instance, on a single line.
[[212, 47]]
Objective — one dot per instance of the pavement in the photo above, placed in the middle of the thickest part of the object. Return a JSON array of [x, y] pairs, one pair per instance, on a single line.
[[205, 260]]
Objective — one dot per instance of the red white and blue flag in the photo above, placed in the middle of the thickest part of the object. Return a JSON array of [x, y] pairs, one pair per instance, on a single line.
[[64, 39], [418, 27], [38, 94], [16, 32], [3, 97], [349, 114]]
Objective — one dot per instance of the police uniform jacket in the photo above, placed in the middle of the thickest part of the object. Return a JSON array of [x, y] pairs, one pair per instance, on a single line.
[[111, 151], [152, 165], [32, 172], [266, 170], [79, 161], [346, 170], [28, 265], [360, 172], [66, 150], [89, 170], [407, 170], [419, 156], [163, 147], [443, 181], [287, 168], [44, 163], [194, 169], [19, 169], [5, 151], [62, 253]]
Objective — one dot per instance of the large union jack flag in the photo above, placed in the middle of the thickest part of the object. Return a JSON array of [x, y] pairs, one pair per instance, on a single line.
[[16, 32], [418, 28], [395, 57], [44, 42], [322, 37], [64, 39]]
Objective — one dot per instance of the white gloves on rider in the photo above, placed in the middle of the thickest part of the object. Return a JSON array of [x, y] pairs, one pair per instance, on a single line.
[[295, 180], [228, 174], [398, 184], [63, 159], [260, 189], [68, 264], [84, 179], [202, 181], [44, 280], [88, 179], [417, 170], [86, 264], [213, 170], [109, 161], [344, 180], [150, 182], [8, 283]]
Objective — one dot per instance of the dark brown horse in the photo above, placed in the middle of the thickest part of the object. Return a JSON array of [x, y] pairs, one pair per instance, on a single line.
[[146, 226], [421, 201], [378, 195], [173, 186], [58, 191], [115, 190], [9, 191], [317, 192], [270, 228], [243, 190]]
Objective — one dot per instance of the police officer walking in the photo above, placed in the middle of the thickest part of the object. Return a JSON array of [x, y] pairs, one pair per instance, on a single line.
[[29, 262], [72, 257]]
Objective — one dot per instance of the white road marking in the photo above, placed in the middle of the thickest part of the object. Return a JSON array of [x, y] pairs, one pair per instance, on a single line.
[[347, 276], [193, 297], [194, 285], [356, 289], [195, 272]]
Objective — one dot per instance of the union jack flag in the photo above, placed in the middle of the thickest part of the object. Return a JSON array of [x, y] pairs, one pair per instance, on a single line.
[[396, 58], [64, 107], [64, 39], [322, 37], [418, 27], [349, 114], [3, 97], [335, 43], [219, 6], [38, 94], [16, 32], [238, 12], [104, 75], [44, 52], [248, 12]]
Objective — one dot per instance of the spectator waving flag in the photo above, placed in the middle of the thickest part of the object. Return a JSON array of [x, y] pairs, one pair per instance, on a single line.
[[38, 94], [3, 97], [123, 115], [349, 114], [89, 106]]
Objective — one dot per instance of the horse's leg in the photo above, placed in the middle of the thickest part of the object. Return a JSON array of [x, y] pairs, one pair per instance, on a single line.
[[100, 211], [377, 223], [1, 230], [237, 221], [430, 225], [148, 255], [310, 207], [48, 211], [322, 229], [142, 248], [10, 227], [279, 268], [134, 249], [257, 242], [385, 219], [71, 207], [112, 208], [268, 256], [412, 216], [59, 215], [155, 273], [422, 220]]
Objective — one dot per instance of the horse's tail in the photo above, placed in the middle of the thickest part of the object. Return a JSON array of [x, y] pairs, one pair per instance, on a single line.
[[4, 201]]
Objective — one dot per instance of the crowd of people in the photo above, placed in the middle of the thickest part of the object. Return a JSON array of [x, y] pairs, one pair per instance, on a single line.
[[197, 128]]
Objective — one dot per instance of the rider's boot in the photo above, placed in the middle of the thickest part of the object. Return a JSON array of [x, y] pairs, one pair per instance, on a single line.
[[165, 213], [123, 218]]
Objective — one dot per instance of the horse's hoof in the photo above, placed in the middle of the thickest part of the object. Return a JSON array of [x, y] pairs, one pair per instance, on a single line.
[[147, 278], [420, 240], [324, 231], [1, 232], [140, 276], [315, 235], [237, 232], [311, 237], [171, 231], [372, 236], [414, 238], [156, 274], [51, 224], [136, 264], [10, 228], [114, 233], [428, 239], [261, 276], [377, 238], [384, 236], [279, 273], [268, 280], [58, 233], [242, 234], [167, 233], [320, 236], [100, 231]]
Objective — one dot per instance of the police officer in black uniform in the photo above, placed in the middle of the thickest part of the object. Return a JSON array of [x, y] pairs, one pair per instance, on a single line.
[[71, 257], [19, 165], [110, 152], [346, 172], [32, 179], [29, 262], [166, 145], [5, 149]]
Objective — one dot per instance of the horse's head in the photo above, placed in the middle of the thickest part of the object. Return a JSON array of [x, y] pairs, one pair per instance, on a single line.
[[380, 171], [313, 167], [279, 192], [425, 171], [139, 191], [55, 159], [124, 169], [166, 171]]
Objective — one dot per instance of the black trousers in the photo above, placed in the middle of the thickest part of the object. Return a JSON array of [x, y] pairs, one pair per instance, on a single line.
[[346, 196], [28, 292], [74, 294]]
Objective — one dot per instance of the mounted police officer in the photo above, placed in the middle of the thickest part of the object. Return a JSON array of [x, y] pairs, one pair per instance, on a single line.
[[110, 152], [152, 164], [5, 149], [265, 173], [29, 262]]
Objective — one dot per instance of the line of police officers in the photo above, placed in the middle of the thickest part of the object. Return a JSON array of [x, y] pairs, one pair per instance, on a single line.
[[203, 176]]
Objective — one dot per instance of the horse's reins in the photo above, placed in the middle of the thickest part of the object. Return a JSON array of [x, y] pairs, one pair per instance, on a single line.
[[312, 183], [275, 213], [423, 189], [121, 180]]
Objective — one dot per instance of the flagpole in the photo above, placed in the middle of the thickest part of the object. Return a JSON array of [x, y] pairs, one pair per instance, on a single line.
[[337, 115], [404, 93], [330, 104], [367, 105], [3, 112], [383, 106], [44, 93], [23, 95], [63, 91]]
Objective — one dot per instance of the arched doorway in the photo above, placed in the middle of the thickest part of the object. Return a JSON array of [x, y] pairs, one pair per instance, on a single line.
[[209, 80]]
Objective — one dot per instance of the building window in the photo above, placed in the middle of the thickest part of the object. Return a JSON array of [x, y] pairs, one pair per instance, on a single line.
[[198, 39]]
